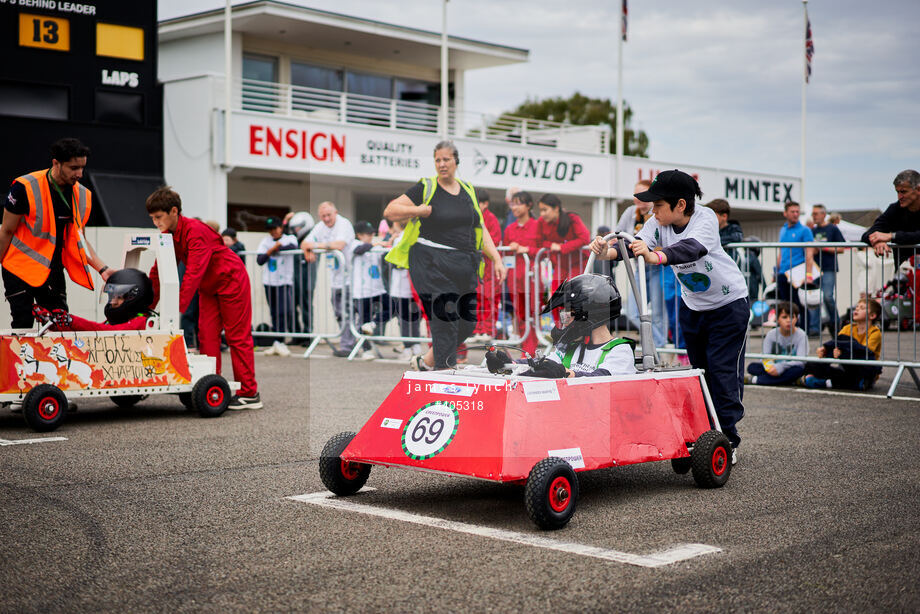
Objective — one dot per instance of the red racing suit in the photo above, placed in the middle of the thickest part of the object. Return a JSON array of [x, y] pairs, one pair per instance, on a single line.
[[78, 323], [224, 300], [488, 292]]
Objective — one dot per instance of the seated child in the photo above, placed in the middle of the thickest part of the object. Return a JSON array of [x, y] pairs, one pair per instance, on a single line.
[[787, 340], [369, 298], [584, 345], [128, 307], [860, 339]]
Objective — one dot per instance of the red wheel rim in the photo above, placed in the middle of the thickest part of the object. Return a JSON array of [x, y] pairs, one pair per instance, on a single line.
[[48, 408], [560, 494], [350, 470], [719, 461], [215, 396]]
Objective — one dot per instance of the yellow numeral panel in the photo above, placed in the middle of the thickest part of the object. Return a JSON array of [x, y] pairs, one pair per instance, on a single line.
[[44, 32]]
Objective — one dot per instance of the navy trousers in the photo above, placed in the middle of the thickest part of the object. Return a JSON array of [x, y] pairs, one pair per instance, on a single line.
[[715, 342]]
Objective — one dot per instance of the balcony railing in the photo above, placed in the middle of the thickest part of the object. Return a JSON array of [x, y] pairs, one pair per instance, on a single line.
[[340, 107]]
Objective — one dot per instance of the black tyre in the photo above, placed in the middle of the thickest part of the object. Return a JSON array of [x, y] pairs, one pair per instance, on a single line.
[[681, 465], [44, 408], [551, 493], [711, 460], [128, 401], [211, 396], [186, 399], [339, 476]]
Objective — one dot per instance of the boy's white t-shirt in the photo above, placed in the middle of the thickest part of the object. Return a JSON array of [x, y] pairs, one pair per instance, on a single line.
[[278, 270], [366, 278], [619, 361], [796, 344], [709, 282], [341, 230]]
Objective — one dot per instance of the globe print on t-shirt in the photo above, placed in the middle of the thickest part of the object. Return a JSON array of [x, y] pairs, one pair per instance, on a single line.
[[695, 282]]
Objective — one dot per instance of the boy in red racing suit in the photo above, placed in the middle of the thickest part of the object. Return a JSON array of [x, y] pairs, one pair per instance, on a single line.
[[128, 308], [222, 283]]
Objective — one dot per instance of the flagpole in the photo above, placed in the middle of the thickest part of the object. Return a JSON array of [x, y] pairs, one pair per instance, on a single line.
[[804, 96], [619, 135], [444, 100]]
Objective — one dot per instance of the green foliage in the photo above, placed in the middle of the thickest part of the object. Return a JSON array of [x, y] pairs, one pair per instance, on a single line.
[[577, 110]]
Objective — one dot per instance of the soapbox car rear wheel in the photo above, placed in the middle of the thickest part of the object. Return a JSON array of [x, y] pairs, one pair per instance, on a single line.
[[211, 396], [551, 493], [341, 477], [711, 460], [127, 401], [44, 407]]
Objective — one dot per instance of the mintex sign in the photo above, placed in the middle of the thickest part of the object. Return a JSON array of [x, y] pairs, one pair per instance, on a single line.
[[740, 189], [263, 141]]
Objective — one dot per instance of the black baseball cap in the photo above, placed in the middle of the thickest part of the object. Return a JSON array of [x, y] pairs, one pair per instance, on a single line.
[[670, 185], [363, 227], [273, 222]]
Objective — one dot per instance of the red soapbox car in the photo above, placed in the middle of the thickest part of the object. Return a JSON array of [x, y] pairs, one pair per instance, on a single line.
[[537, 431]]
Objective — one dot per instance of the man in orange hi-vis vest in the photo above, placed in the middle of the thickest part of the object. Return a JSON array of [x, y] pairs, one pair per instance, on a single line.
[[42, 234]]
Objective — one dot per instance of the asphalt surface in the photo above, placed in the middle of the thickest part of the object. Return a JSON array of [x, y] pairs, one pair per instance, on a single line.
[[154, 509]]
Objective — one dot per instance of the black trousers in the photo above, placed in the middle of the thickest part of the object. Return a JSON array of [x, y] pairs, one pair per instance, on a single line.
[[715, 342], [51, 295], [446, 280]]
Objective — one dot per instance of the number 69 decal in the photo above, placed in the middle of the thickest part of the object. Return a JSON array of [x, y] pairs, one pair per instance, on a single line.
[[430, 430]]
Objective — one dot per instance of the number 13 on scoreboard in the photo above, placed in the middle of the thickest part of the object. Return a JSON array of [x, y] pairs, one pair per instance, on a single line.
[[44, 32]]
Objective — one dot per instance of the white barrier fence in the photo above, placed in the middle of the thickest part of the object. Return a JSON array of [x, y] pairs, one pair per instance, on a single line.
[[515, 307]]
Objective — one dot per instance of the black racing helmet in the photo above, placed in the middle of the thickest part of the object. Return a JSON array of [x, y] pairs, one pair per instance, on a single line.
[[136, 291], [593, 300]]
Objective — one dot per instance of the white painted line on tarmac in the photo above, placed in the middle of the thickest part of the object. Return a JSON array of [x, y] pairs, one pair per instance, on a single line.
[[16, 442], [675, 554], [859, 395]]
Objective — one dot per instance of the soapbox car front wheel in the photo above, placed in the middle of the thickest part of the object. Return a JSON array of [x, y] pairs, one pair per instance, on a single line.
[[44, 408], [127, 401], [551, 493], [341, 477], [211, 396], [711, 460]]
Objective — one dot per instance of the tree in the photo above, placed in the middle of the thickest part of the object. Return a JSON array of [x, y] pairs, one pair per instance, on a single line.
[[578, 110]]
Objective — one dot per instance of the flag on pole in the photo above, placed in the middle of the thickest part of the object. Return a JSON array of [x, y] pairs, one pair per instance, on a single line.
[[809, 46], [625, 15]]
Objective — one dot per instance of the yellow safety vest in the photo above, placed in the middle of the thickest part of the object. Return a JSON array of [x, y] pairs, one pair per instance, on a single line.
[[399, 255]]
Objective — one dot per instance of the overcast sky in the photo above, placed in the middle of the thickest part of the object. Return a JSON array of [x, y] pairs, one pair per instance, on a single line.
[[712, 82]]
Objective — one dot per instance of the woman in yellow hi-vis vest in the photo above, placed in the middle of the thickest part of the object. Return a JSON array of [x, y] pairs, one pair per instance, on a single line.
[[442, 247], [42, 234]]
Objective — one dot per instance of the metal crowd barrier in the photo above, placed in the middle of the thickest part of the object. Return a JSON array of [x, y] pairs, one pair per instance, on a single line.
[[861, 274], [307, 316]]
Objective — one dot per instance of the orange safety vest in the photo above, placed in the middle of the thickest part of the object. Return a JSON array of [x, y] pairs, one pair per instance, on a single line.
[[30, 252]]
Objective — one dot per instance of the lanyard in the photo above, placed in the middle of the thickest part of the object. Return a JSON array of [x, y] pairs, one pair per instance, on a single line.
[[57, 189]]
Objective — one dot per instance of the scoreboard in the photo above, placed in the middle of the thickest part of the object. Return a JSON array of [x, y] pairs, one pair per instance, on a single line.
[[86, 70]]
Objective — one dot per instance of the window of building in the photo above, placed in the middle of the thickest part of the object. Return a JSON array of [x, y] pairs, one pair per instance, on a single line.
[[260, 79], [308, 79]]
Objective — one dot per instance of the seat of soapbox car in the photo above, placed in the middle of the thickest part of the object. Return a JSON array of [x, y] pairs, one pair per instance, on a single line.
[[536, 431], [45, 370]]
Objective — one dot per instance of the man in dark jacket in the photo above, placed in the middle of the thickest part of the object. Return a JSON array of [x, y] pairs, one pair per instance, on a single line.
[[900, 223]]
